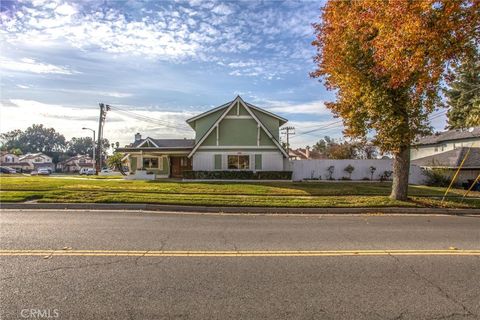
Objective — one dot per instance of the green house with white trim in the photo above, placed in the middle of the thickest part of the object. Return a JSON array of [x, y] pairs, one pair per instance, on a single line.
[[232, 137]]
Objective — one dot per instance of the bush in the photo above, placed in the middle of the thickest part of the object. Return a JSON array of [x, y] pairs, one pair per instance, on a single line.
[[330, 171], [386, 175], [349, 169], [372, 170], [437, 177], [238, 175], [345, 178], [366, 179]]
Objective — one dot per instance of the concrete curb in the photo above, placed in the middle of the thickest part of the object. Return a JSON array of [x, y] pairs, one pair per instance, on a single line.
[[203, 209]]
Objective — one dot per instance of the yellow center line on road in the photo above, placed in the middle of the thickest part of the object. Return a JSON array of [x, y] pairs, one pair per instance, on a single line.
[[235, 253]]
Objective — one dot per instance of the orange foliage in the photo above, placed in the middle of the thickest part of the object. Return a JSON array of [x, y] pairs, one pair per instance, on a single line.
[[387, 60]]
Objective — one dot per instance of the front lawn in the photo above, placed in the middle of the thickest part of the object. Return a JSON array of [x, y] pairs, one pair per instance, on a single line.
[[269, 194]]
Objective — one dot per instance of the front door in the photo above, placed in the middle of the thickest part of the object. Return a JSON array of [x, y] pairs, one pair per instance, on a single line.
[[178, 165]]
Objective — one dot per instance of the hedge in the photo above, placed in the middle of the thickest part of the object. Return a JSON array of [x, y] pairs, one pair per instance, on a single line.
[[238, 175]]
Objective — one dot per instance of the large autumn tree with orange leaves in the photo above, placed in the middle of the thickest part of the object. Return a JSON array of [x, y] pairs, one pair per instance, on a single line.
[[387, 61]]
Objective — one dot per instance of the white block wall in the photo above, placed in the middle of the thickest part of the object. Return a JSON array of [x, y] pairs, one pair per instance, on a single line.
[[306, 169], [204, 160]]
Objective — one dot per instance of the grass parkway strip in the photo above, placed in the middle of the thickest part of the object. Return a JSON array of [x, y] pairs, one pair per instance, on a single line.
[[260, 194]]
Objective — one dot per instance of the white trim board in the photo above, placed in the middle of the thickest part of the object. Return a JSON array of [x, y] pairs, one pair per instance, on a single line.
[[252, 147], [147, 140], [239, 100]]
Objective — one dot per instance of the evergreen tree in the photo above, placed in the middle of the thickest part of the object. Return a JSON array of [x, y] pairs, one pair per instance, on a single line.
[[463, 96]]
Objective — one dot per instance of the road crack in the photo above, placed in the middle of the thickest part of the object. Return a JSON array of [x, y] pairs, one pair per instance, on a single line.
[[61, 268], [444, 293]]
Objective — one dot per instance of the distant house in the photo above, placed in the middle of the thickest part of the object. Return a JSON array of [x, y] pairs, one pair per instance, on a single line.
[[451, 160], [13, 161], [445, 141], [234, 136], [305, 154], [37, 160], [75, 164]]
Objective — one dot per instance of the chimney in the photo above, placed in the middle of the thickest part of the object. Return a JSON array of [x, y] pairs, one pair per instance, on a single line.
[[138, 136], [307, 152]]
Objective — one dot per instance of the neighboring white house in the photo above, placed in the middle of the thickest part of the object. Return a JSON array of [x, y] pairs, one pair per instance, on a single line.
[[11, 160], [74, 164], [37, 160], [445, 141]]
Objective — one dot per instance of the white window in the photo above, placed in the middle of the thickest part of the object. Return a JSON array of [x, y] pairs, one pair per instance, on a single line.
[[238, 162], [150, 163]]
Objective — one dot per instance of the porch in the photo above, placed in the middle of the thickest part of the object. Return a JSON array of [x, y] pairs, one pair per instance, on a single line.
[[156, 165]]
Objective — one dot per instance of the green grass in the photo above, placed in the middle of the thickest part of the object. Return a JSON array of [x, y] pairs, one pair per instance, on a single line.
[[271, 194]]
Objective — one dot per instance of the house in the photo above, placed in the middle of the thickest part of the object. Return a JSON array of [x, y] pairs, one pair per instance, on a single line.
[[13, 161], [451, 160], [37, 160], [305, 154], [445, 141], [74, 164], [234, 136]]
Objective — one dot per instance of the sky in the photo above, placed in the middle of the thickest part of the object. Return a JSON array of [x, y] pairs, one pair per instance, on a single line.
[[163, 61]]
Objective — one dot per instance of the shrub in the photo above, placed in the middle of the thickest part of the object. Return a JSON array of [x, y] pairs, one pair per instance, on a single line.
[[366, 179], [372, 171], [345, 178], [330, 171], [349, 169], [238, 175], [386, 175], [437, 177]]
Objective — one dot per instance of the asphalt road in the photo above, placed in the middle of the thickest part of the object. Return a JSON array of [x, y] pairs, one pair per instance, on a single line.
[[136, 285]]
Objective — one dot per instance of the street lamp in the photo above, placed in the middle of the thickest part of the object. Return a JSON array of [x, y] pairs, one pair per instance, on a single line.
[[94, 147]]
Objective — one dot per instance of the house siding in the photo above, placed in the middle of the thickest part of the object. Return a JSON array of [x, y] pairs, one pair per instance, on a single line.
[[422, 151], [271, 123], [202, 125], [205, 160]]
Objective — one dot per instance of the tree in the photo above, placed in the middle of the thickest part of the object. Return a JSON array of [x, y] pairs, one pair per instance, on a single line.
[[115, 161], [82, 145], [322, 144], [463, 96], [36, 138], [387, 71], [345, 150]]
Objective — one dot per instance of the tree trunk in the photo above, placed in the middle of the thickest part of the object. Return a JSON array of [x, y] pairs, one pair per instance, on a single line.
[[401, 170]]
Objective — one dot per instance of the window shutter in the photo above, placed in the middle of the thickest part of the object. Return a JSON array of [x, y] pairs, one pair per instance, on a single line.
[[258, 162], [217, 162]]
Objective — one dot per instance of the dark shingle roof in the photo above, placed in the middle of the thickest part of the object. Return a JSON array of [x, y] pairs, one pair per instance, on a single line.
[[167, 143], [451, 159], [449, 135]]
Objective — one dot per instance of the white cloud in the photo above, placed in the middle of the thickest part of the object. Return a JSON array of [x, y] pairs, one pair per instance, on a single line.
[[33, 66], [69, 120], [316, 107], [21, 86], [65, 9], [174, 33], [222, 9]]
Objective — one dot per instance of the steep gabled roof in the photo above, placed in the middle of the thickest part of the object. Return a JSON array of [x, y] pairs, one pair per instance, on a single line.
[[228, 104], [451, 159], [164, 143], [225, 112], [206, 113], [33, 155], [450, 135]]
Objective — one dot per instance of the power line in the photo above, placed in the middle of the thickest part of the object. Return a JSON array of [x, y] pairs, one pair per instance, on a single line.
[[150, 120], [288, 131]]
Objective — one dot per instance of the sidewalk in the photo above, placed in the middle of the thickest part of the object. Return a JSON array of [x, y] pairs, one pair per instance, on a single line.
[[246, 210]]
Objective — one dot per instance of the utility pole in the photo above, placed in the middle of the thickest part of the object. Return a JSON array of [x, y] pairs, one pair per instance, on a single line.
[[94, 147], [101, 121], [288, 131]]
